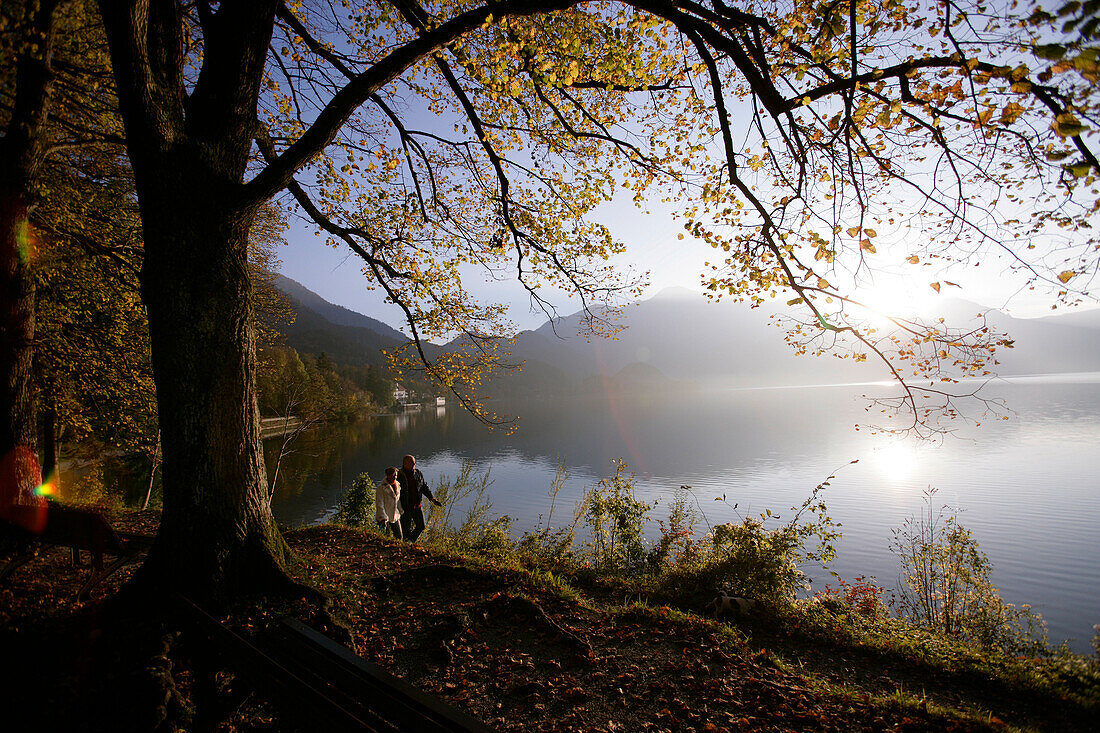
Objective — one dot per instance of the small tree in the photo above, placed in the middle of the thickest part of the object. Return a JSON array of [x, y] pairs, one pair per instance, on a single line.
[[616, 517], [356, 508], [945, 585]]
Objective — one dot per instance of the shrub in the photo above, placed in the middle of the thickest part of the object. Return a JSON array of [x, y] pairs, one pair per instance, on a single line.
[[677, 544], [945, 585], [92, 490], [480, 533], [357, 508], [550, 545], [863, 597], [616, 517], [490, 539], [754, 561]]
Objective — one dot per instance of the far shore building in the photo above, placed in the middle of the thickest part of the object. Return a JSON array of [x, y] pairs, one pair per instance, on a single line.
[[400, 393]]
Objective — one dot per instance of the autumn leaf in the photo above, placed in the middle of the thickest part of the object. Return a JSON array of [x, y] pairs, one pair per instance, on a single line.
[[1011, 113], [1067, 125], [1050, 51], [1079, 169], [1066, 275], [934, 286]]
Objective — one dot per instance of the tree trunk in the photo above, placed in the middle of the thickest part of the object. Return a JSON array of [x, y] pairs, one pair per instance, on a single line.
[[51, 443], [19, 468], [22, 150], [217, 535]]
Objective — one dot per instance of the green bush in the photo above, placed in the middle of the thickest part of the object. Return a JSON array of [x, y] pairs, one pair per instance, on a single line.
[[746, 560], [92, 489], [357, 508], [615, 518], [490, 540], [677, 544], [750, 559], [480, 533]]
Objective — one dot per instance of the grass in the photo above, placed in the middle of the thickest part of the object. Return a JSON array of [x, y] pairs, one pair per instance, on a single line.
[[531, 644]]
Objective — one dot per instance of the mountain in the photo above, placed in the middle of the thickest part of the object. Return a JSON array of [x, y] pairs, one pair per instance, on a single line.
[[1079, 319], [1053, 344], [684, 338], [345, 336], [335, 314], [679, 338]]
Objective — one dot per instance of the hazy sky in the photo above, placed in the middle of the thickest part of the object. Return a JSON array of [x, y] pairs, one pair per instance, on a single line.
[[652, 245]]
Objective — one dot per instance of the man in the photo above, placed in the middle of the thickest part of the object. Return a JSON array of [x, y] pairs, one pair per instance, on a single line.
[[412, 487]]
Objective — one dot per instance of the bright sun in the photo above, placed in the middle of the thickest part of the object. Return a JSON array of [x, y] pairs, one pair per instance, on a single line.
[[882, 302]]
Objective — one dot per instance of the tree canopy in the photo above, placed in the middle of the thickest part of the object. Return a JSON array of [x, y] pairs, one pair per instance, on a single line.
[[796, 138]]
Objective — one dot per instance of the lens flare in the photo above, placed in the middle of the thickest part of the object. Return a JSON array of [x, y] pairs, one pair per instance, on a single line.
[[26, 244], [20, 478]]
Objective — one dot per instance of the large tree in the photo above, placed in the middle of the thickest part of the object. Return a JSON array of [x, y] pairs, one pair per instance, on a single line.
[[430, 138]]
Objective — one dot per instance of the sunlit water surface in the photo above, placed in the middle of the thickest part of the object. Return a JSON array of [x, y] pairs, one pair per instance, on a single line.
[[1028, 487]]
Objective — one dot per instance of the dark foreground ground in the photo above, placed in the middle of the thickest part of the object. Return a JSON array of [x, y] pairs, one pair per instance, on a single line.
[[519, 651]]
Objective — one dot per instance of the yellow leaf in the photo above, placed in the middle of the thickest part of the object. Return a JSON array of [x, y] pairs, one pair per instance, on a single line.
[[1011, 113], [1067, 125], [935, 286], [866, 245], [912, 259], [853, 231], [1067, 275]]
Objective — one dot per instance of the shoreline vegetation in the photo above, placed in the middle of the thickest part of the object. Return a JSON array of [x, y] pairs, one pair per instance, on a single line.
[[584, 625]]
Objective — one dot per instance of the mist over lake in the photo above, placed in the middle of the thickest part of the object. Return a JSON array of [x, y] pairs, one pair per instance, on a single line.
[[1028, 487]]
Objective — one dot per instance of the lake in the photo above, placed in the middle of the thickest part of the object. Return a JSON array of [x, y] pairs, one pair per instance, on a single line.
[[1028, 487]]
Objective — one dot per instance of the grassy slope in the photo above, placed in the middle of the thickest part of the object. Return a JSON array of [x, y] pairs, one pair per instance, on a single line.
[[534, 651]]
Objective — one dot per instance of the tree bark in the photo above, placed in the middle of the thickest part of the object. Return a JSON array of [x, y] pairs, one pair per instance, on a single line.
[[19, 468], [22, 152], [217, 534], [189, 152], [51, 443]]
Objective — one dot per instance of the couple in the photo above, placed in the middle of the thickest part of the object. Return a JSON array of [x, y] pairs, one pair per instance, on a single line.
[[397, 500]]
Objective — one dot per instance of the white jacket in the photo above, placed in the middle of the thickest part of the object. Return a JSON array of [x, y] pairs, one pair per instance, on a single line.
[[386, 502]]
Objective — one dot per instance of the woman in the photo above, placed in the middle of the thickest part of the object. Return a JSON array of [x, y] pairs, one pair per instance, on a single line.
[[387, 503]]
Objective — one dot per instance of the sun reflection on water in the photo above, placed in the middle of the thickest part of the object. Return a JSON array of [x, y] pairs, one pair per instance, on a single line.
[[895, 460]]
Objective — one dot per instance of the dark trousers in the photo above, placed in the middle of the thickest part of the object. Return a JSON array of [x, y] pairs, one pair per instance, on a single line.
[[412, 523], [396, 528]]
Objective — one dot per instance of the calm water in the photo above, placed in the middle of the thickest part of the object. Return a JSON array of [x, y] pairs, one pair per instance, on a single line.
[[1029, 487]]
